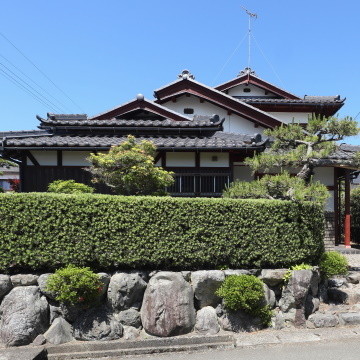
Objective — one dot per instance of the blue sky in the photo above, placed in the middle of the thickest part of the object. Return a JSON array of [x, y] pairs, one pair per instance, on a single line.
[[101, 54]]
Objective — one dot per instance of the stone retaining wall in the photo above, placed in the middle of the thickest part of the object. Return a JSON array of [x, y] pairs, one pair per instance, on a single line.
[[167, 304]]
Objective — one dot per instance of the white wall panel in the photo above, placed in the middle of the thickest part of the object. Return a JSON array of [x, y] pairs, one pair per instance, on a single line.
[[325, 175], [48, 158], [243, 173], [185, 159], [75, 158], [214, 159]]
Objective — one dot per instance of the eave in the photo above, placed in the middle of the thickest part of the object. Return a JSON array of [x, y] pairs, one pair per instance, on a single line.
[[191, 87], [251, 79], [142, 104]]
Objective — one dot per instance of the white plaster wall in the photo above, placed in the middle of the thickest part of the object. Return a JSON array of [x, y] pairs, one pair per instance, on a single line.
[[185, 159], [233, 123], [44, 157], [206, 159], [242, 173], [255, 91], [301, 117], [75, 158], [325, 175]]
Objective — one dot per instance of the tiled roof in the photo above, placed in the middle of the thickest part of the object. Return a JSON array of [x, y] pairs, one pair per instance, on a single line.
[[21, 133], [219, 140], [132, 123], [306, 100]]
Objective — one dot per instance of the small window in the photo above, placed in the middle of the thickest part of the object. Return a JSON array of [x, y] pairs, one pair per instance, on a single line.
[[188, 111], [247, 89], [214, 158]]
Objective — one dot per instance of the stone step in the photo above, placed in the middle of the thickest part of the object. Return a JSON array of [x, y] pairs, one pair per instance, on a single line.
[[140, 350], [101, 346]]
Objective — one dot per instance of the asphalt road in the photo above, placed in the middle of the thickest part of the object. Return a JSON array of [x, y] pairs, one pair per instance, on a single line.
[[323, 350]]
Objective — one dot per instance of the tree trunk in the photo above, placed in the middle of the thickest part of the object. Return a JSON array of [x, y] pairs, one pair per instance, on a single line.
[[306, 172]]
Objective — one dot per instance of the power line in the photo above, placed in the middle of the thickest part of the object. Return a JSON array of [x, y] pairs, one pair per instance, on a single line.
[[28, 85], [228, 60], [41, 71], [14, 81], [34, 82], [268, 61]]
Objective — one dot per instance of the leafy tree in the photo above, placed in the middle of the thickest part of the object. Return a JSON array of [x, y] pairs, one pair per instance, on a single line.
[[281, 187], [129, 169], [305, 147], [69, 187]]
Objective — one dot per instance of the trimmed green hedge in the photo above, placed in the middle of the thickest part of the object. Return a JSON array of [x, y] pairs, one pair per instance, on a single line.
[[42, 231]]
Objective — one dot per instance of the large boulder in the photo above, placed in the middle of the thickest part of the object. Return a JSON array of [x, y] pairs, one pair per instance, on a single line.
[[125, 290], [323, 320], [59, 332], [130, 317], [24, 315], [295, 294], [273, 277], [105, 280], [168, 305], [240, 321], [5, 285], [97, 324], [207, 321], [42, 281], [205, 283], [24, 280]]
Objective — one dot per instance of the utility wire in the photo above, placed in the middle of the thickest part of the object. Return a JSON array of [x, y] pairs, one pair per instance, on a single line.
[[268, 61], [34, 82], [23, 88], [40, 71], [228, 60], [29, 86]]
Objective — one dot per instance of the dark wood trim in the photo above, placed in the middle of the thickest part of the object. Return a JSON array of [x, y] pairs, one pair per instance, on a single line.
[[59, 158], [158, 157], [217, 98], [347, 224], [197, 159], [140, 104], [31, 158], [22, 172], [250, 79], [163, 160], [336, 206]]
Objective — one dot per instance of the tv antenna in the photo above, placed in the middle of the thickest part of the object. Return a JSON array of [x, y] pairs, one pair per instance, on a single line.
[[251, 15]]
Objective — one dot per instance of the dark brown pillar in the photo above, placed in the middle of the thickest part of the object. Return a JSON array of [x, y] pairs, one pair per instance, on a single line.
[[336, 206], [347, 210]]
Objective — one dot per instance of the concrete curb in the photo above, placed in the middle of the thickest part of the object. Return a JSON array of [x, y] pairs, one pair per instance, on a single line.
[[116, 349]]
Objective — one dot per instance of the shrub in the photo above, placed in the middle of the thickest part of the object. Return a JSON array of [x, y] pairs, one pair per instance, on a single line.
[[281, 187], [69, 187], [245, 292], [2, 190], [129, 169], [355, 214], [75, 286], [14, 184], [302, 266], [43, 231], [333, 263]]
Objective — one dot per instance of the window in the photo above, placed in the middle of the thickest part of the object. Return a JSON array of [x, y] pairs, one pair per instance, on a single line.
[[247, 90], [188, 111]]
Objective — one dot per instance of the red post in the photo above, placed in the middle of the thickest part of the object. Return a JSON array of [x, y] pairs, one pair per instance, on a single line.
[[347, 210]]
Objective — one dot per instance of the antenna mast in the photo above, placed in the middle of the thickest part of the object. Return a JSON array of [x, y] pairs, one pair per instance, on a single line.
[[251, 15]]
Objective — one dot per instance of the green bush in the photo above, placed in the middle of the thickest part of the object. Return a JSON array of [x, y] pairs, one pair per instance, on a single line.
[[75, 286], [355, 214], [245, 292], [333, 263], [2, 190], [69, 187], [42, 231]]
